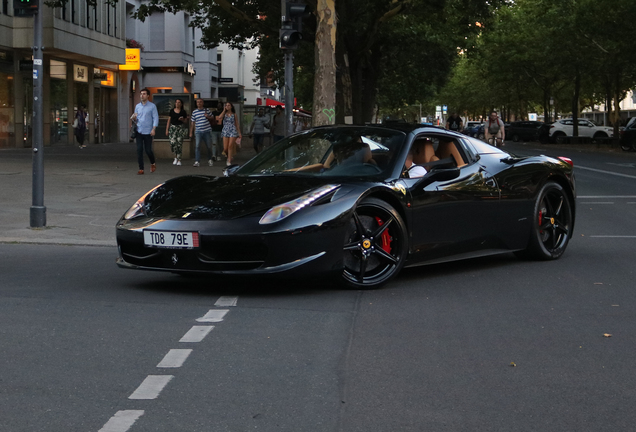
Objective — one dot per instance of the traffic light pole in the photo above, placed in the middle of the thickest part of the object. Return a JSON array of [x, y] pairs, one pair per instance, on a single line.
[[289, 91], [38, 210]]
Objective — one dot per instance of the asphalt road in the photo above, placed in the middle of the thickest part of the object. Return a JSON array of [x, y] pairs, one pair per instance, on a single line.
[[491, 344]]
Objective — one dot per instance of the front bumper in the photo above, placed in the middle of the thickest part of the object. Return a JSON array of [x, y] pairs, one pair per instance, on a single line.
[[232, 247]]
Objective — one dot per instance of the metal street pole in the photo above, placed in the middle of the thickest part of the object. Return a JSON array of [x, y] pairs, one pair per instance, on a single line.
[[289, 92], [38, 210]]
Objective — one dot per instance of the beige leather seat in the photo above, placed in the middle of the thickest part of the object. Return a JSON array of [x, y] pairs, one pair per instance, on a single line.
[[423, 152]]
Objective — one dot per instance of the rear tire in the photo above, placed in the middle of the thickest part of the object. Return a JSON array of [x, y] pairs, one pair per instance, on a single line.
[[552, 224], [559, 138], [599, 137]]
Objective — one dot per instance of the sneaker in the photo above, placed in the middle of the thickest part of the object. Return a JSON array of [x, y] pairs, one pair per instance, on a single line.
[[210, 163], [140, 172], [224, 154], [196, 164], [179, 162], [227, 164], [153, 168], [174, 162]]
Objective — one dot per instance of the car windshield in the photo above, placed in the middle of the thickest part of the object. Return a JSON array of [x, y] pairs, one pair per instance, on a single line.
[[330, 151]]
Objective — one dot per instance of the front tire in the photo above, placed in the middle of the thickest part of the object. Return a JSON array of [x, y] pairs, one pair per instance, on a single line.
[[552, 223], [375, 245], [627, 145]]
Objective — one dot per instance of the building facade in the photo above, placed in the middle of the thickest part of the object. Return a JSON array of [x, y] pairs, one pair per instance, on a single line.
[[83, 46]]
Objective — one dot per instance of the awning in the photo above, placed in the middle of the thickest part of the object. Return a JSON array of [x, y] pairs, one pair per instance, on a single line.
[[272, 103]]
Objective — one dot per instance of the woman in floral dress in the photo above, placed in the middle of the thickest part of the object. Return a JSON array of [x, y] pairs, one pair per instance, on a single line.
[[231, 131]]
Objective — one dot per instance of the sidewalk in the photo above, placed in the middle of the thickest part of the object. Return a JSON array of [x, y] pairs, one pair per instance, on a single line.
[[86, 191]]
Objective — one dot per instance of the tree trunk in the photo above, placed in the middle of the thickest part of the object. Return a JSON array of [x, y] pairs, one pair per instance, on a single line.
[[363, 83], [575, 105], [617, 105], [325, 76]]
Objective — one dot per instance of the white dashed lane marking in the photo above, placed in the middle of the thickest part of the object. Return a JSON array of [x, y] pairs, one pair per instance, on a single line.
[[122, 421], [606, 196], [612, 236], [175, 358], [605, 172], [196, 334], [225, 301], [151, 387], [213, 315]]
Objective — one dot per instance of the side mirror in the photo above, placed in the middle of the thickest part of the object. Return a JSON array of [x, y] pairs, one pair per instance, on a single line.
[[230, 170]]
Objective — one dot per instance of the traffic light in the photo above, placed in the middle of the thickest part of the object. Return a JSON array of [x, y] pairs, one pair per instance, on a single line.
[[291, 30], [25, 8]]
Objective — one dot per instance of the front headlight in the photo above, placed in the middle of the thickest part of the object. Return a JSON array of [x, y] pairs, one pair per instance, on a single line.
[[281, 211], [137, 208]]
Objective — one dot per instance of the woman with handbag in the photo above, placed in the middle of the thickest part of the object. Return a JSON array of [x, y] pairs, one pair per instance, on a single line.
[[177, 129], [79, 125]]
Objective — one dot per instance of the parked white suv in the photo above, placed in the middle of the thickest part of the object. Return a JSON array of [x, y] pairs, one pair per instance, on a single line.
[[562, 129]]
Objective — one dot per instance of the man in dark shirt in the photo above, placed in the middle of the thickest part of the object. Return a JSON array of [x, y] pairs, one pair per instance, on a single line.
[[454, 123], [217, 141]]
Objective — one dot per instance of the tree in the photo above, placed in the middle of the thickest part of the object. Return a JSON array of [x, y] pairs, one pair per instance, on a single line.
[[394, 44]]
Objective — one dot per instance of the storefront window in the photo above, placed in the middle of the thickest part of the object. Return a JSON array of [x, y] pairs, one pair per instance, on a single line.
[[58, 97], [7, 100], [7, 125]]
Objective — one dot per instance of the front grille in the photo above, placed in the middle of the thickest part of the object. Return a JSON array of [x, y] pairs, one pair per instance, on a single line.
[[211, 256]]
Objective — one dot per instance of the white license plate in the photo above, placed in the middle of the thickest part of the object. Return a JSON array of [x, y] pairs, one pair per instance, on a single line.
[[171, 239]]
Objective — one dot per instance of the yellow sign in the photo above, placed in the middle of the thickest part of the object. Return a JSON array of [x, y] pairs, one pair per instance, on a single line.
[[110, 79], [133, 59]]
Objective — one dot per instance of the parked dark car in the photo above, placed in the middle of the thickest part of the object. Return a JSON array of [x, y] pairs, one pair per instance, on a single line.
[[474, 129], [628, 136], [337, 201], [528, 131]]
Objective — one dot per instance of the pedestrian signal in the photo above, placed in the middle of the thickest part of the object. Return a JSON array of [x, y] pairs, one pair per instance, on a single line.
[[25, 8]]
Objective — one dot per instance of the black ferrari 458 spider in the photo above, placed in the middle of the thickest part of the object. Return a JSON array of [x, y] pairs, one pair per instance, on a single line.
[[346, 201]]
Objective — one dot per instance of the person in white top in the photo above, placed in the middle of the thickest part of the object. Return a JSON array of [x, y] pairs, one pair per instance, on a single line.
[[413, 170]]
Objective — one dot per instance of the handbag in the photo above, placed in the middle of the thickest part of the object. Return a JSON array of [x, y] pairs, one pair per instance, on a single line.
[[75, 123], [133, 130]]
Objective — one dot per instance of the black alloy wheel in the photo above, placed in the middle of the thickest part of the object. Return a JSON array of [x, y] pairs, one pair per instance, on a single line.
[[375, 245], [552, 223], [515, 138]]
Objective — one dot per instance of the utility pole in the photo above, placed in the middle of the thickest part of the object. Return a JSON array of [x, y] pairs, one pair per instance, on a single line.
[[28, 8], [38, 210], [292, 14]]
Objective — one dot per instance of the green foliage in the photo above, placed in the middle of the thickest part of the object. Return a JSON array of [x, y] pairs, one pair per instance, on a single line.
[[398, 51], [534, 50]]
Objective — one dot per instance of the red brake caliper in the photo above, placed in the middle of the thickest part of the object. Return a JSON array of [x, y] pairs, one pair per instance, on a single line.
[[385, 237], [540, 219]]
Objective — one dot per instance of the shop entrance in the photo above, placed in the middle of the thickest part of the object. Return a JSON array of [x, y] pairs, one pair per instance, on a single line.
[[105, 115]]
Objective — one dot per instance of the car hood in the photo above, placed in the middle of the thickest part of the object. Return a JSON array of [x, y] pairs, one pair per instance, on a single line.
[[222, 198]]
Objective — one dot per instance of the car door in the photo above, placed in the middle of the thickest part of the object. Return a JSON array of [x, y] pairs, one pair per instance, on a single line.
[[452, 210], [586, 129]]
